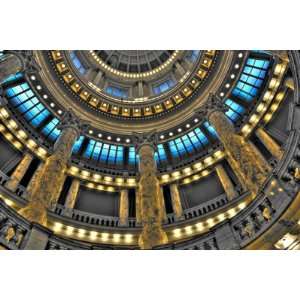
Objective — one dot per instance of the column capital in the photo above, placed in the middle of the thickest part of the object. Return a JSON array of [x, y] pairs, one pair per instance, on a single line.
[[70, 120], [214, 103], [145, 138]]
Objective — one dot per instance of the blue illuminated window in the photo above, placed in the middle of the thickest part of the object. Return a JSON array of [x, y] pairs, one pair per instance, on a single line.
[[188, 143], [251, 79], [193, 55], [163, 87], [104, 153], [50, 131], [77, 63], [89, 150], [78, 144], [160, 155], [117, 92], [12, 78], [132, 157], [210, 129], [235, 110], [23, 99]]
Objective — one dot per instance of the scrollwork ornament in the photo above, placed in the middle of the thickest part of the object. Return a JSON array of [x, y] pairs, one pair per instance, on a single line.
[[69, 119], [214, 103], [145, 138]]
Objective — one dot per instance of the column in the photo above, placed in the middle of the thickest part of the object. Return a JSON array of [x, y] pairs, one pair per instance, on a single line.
[[149, 194], [179, 71], [140, 89], [124, 208], [269, 143], [72, 194], [34, 177], [19, 172], [46, 188], [176, 201], [245, 160], [10, 64], [163, 205], [226, 182], [137, 206], [98, 77]]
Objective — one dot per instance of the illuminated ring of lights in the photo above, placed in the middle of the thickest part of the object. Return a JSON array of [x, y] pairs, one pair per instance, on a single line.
[[166, 103], [133, 75]]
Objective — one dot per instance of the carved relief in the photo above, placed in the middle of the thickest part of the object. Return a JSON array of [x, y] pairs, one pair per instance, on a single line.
[[46, 188], [242, 155], [151, 202]]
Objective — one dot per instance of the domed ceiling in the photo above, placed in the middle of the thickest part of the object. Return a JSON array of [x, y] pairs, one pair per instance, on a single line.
[[121, 92], [124, 92]]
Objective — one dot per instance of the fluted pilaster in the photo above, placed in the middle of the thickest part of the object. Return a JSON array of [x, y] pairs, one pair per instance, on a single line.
[[124, 208], [176, 201], [269, 143], [72, 194], [163, 205], [226, 182], [138, 206], [19, 172]]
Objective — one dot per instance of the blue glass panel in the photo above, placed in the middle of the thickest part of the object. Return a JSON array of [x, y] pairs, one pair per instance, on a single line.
[[50, 131], [232, 115], [251, 79], [173, 149], [117, 92], [97, 150], [77, 63], [23, 99], [120, 155], [38, 119], [104, 153], [193, 55], [12, 78], [89, 149], [235, 106], [132, 156], [163, 87], [210, 129], [78, 145], [160, 155]]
